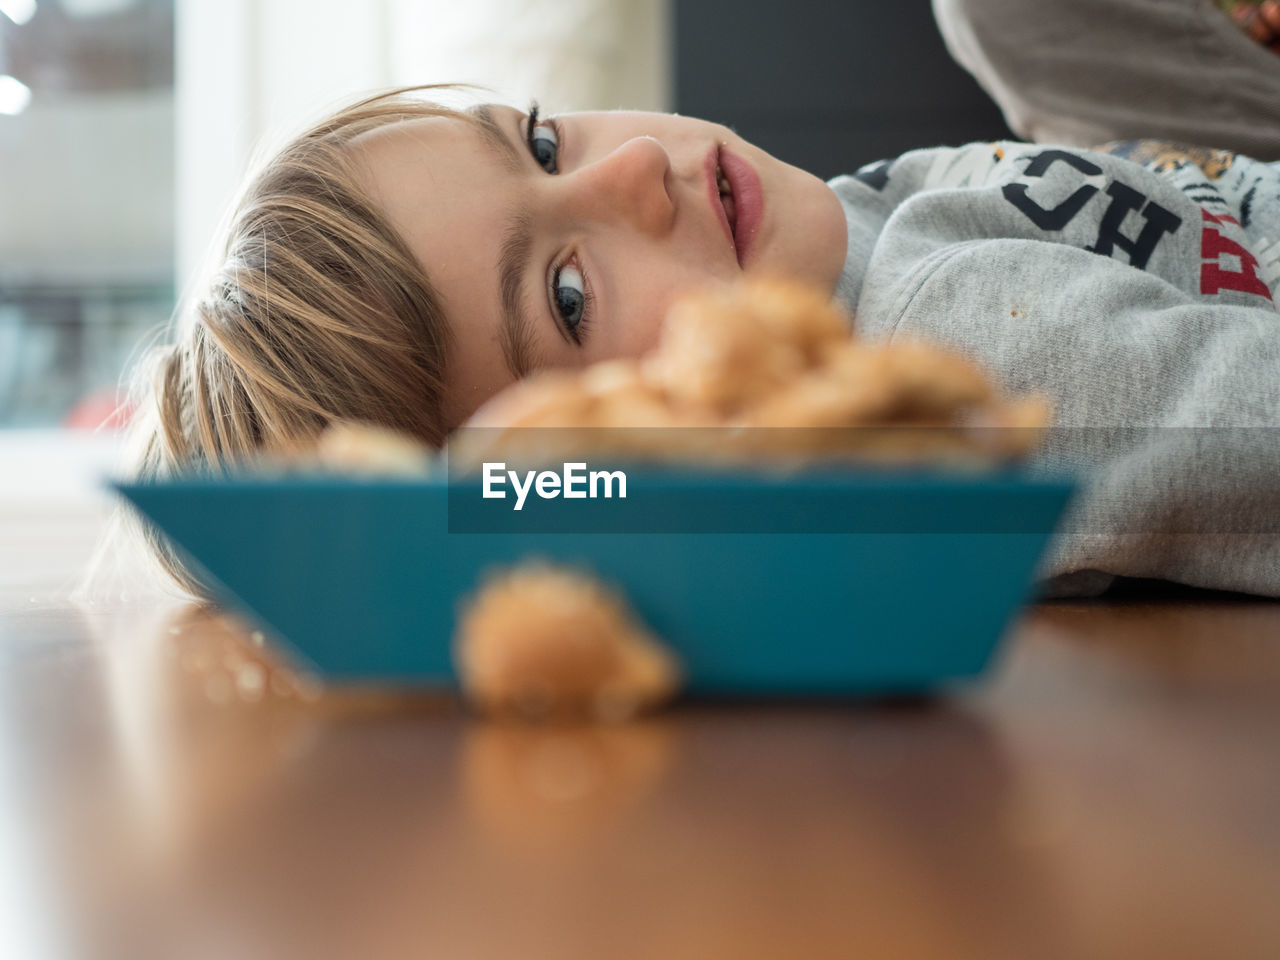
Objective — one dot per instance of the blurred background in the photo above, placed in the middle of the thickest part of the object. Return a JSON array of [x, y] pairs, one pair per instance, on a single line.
[[86, 199], [126, 125]]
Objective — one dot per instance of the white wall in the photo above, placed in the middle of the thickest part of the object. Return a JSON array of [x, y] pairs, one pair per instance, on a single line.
[[87, 192], [250, 71]]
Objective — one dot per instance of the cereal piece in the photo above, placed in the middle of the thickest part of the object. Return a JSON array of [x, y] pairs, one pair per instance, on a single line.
[[540, 641], [367, 449], [532, 422], [894, 404], [723, 349], [625, 397], [928, 381], [713, 359], [904, 380], [745, 359], [797, 312], [1014, 430], [852, 386], [609, 408]]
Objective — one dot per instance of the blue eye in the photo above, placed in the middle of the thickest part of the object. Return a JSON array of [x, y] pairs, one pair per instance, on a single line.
[[568, 284], [544, 142], [571, 299], [544, 146]]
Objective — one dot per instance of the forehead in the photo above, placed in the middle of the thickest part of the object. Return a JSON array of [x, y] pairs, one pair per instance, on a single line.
[[441, 184], [450, 141], [431, 147], [444, 187]]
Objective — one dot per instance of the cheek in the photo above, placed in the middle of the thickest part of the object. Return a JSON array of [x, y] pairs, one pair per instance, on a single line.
[[641, 328], [654, 283]]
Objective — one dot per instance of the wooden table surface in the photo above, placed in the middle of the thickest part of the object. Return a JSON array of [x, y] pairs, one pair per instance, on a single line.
[[1112, 790]]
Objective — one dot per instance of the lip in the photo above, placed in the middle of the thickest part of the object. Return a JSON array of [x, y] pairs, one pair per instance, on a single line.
[[713, 191], [748, 198]]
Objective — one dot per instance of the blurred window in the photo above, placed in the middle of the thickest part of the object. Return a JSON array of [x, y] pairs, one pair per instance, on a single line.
[[86, 198]]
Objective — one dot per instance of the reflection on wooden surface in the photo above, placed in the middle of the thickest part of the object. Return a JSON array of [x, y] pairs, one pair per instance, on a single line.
[[1110, 792]]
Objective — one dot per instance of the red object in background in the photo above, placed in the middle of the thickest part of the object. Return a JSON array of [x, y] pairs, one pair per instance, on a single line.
[[1261, 22], [102, 410], [1269, 13]]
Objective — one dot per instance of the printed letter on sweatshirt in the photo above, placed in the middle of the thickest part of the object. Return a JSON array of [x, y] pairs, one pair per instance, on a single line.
[[1059, 216], [1126, 200], [1213, 278]]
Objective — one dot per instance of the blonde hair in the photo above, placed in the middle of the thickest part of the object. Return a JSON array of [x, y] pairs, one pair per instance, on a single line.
[[317, 312]]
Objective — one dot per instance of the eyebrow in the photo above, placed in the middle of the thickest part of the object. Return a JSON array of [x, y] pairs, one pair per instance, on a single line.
[[496, 137], [515, 335]]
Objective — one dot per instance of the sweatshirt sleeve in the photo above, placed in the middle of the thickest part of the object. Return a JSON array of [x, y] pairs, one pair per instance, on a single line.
[[1166, 405]]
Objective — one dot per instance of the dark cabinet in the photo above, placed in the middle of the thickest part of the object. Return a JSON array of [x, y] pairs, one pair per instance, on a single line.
[[827, 86]]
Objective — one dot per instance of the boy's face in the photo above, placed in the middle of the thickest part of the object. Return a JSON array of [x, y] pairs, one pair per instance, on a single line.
[[630, 216]]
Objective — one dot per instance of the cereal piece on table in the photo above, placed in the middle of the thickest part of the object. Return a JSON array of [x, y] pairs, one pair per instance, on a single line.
[[539, 641]]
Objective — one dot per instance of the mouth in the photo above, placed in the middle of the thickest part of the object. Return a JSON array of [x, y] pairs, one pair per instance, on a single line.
[[721, 194], [725, 189], [738, 198]]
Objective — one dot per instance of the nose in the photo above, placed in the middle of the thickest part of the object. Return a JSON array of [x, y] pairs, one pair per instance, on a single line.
[[632, 182]]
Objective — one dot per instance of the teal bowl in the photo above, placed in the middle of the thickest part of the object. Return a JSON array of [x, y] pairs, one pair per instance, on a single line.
[[834, 582]]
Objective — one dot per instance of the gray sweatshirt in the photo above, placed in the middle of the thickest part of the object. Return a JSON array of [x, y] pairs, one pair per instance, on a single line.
[[1135, 285]]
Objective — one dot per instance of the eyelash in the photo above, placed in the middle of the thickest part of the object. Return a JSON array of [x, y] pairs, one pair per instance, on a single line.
[[577, 330]]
